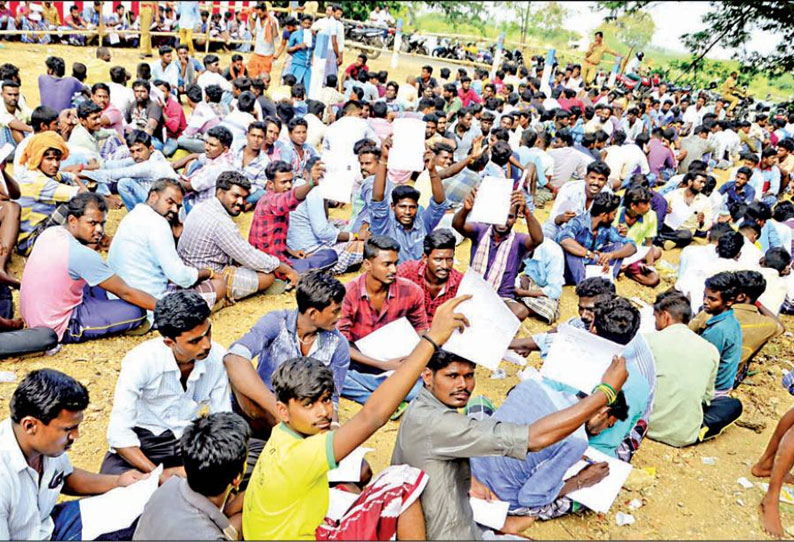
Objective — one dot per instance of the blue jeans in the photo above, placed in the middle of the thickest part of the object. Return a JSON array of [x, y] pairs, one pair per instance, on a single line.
[[575, 265], [255, 194], [322, 259], [170, 147], [359, 386], [67, 520], [191, 144], [133, 191]]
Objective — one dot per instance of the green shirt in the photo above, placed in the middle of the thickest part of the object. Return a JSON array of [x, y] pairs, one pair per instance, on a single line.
[[643, 229], [453, 106], [686, 367]]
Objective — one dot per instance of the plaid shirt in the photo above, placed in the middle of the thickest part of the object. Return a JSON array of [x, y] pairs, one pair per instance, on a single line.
[[203, 179], [579, 230], [211, 240], [271, 222], [254, 171], [290, 155], [415, 272], [458, 186], [359, 318]]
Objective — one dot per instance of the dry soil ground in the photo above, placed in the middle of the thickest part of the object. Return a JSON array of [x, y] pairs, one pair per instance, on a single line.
[[682, 496]]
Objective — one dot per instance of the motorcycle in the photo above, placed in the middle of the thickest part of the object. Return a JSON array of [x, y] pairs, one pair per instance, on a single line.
[[414, 43], [639, 89], [371, 36], [445, 49]]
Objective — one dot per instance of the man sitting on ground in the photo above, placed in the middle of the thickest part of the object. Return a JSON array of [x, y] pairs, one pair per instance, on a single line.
[[497, 251], [576, 197], [203, 169], [685, 410], [211, 240], [46, 411], [375, 298], [436, 438], [213, 451], [252, 161], [270, 224], [535, 487], [590, 239], [539, 286], [718, 325], [692, 206], [164, 385], [434, 273], [65, 284], [637, 221]]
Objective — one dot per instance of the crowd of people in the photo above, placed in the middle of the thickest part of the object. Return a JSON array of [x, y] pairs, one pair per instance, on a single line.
[[247, 435]]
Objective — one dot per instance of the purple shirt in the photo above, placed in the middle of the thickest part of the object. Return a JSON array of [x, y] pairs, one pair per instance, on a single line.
[[659, 156], [514, 258], [659, 206], [57, 92]]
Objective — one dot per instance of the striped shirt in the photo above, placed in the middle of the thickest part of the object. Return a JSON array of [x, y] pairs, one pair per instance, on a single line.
[[254, 170], [211, 239], [27, 499], [40, 196], [149, 394]]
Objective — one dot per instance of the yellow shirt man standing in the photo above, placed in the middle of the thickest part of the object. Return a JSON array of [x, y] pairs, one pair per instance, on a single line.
[[593, 56]]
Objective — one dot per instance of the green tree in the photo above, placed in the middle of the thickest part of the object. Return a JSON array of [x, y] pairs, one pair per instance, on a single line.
[[731, 24]]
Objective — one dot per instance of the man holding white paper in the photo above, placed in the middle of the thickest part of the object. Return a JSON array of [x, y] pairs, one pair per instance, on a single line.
[[688, 212], [46, 411], [436, 438], [536, 487], [497, 251], [591, 239], [576, 197], [402, 220]]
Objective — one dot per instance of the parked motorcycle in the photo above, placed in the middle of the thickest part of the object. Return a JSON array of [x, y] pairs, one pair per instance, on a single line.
[[639, 89], [370, 36], [415, 43]]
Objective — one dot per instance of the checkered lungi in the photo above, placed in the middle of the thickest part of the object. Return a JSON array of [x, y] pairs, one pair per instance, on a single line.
[[545, 307], [350, 253]]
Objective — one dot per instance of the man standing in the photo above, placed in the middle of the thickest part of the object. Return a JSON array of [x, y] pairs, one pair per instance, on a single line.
[[188, 13], [266, 33], [163, 386], [593, 56], [46, 411], [434, 273]]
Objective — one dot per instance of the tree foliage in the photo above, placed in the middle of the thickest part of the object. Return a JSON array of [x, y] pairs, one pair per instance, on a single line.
[[731, 24], [633, 29]]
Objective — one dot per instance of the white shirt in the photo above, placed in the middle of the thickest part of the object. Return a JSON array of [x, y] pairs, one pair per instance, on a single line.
[[624, 160], [694, 283], [693, 116], [341, 136], [776, 289], [237, 122], [574, 82], [27, 500], [696, 257], [595, 124], [571, 197], [208, 78], [122, 97], [315, 131], [676, 200], [633, 66], [261, 47], [149, 394]]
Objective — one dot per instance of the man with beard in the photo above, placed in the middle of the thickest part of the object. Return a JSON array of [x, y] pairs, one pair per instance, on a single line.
[[535, 487], [434, 273], [164, 385], [591, 239], [376, 298], [436, 438], [400, 221], [143, 251], [464, 133], [46, 412], [212, 240], [144, 114], [66, 283], [688, 202], [497, 251]]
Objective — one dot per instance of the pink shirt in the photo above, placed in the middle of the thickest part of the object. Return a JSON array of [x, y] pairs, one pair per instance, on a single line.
[[116, 119]]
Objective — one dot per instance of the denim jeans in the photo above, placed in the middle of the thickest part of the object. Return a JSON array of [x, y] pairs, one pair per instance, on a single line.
[[191, 144], [359, 386], [170, 147], [133, 192]]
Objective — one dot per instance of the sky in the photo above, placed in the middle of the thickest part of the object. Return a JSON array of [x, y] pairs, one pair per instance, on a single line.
[[672, 19]]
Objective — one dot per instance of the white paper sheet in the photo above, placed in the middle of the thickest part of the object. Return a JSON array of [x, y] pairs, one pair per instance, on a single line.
[[491, 514], [117, 508], [514, 357], [114, 38], [5, 151], [307, 38], [647, 320], [493, 201], [591, 271], [394, 340], [337, 183], [600, 497], [339, 502], [408, 145], [349, 469], [677, 216], [641, 253], [492, 324], [578, 358]]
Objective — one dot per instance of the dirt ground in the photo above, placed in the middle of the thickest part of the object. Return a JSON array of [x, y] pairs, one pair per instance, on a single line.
[[683, 497]]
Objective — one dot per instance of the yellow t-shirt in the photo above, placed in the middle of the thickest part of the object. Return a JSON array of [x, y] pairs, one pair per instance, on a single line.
[[287, 497]]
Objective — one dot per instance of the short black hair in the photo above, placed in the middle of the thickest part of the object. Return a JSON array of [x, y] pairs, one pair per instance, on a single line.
[[442, 359], [275, 167], [616, 319], [751, 283], [599, 167], [214, 450], [164, 49], [99, 86], [758, 210], [782, 211], [210, 59], [675, 303], [297, 121], [142, 83], [725, 283], [376, 243], [222, 134], [87, 108], [160, 185], [179, 312], [214, 93], [604, 202], [317, 289], [78, 205], [718, 230], [636, 194], [246, 102], [441, 239], [777, 258], [118, 74], [302, 378], [228, 178], [594, 287], [44, 393], [57, 65], [42, 116], [404, 192], [138, 136], [729, 245], [620, 408], [748, 224]]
